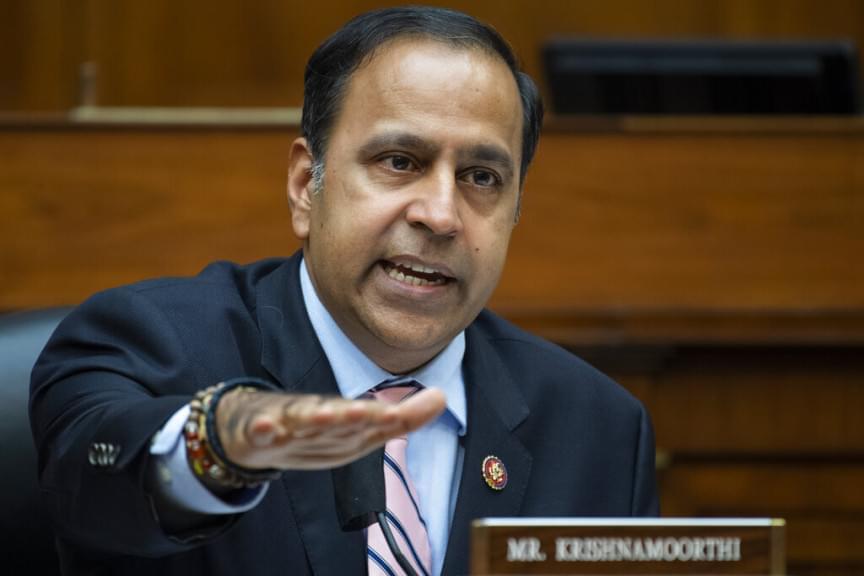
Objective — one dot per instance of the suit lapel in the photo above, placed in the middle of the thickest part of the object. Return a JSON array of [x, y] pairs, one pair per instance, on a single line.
[[495, 409], [293, 356]]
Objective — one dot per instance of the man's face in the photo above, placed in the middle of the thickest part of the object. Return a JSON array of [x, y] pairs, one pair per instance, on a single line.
[[407, 239]]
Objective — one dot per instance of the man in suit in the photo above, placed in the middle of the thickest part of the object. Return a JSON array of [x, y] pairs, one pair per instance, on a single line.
[[418, 129]]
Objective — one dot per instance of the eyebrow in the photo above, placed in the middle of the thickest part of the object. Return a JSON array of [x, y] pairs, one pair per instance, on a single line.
[[403, 140], [485, 153]]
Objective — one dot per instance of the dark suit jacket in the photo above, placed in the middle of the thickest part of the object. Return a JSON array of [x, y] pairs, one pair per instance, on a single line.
[[574, 443]]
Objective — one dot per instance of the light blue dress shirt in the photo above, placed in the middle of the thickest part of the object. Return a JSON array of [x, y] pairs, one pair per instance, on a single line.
[[434, 454]]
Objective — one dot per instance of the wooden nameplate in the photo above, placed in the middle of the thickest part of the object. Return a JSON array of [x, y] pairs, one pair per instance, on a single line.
[[627, 546]]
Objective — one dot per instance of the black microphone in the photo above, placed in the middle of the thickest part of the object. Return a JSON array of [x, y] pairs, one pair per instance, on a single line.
[[361, 500], [359, 488]]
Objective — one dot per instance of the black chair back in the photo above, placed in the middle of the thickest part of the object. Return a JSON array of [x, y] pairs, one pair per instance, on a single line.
[[26, 540]]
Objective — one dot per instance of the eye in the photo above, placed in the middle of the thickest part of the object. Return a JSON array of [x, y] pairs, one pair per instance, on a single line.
[[483, 178], [398, 162]]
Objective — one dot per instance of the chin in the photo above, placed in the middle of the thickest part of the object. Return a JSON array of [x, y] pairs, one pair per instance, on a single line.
[[414, 341], [413, 335]]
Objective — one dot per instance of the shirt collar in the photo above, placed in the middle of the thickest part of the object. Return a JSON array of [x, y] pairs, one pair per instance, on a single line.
[[355, 373]]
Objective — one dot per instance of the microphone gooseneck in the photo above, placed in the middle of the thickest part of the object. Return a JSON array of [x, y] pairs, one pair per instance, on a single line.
[[361, 500], [394, 548]]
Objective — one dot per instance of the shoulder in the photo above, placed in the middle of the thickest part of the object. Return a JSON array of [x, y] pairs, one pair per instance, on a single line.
[[522, 350], [542, 368], [216, 307], [218, 281], [203, 328], [219, 286]]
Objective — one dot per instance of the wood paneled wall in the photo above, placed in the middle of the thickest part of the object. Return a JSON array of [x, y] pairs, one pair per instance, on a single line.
[[712, 220], [41, 48], [661, 231], [237, 53]]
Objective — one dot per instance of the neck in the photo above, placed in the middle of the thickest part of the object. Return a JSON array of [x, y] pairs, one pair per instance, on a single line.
[[400, 361]]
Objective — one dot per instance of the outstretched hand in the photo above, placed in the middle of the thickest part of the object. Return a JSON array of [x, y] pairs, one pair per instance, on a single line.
[[311, 432]]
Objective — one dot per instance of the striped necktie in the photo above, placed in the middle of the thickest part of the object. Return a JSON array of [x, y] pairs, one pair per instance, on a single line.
[[403, 513]]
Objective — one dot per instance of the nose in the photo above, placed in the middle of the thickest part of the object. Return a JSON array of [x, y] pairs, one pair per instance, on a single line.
[[436, 207]]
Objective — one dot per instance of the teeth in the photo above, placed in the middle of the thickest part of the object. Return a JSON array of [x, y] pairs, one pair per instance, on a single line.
[[397, 274], [419, 268]]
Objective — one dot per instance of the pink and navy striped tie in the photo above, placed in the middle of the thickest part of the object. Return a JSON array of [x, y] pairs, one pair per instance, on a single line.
[[403, 513]]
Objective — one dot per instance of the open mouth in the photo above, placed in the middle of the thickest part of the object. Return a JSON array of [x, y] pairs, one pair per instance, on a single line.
[[415, 274]]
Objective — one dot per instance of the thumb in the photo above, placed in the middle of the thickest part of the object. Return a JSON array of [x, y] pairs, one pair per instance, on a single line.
[[422, 407]]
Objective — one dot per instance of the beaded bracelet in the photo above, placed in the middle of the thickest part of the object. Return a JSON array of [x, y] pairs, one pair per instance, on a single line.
[[203, 448]]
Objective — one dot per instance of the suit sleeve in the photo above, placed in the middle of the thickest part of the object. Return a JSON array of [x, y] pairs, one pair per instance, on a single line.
[[644, 501], [112, 374]]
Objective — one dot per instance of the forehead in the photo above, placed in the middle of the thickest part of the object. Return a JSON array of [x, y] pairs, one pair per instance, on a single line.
[[425, 85]]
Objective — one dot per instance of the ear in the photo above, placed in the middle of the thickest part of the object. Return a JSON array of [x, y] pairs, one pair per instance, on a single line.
[[300, 187]]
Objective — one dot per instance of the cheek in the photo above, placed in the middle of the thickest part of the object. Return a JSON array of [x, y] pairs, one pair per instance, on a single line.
[[496, 234], [490, 252], [349, 235]]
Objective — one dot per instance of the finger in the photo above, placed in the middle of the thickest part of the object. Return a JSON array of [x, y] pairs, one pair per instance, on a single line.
[[264, 430], [310, 418], [310, 438], [400, 419], [421, 408], [327, 412], [321, 430], [347, 433], [343, 431], [358, 438]]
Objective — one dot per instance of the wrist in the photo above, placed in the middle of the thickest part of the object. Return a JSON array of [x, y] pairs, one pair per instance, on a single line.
[[204, 449]]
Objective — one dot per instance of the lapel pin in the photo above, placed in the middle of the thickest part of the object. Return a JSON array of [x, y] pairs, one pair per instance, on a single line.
[[494, 473]]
